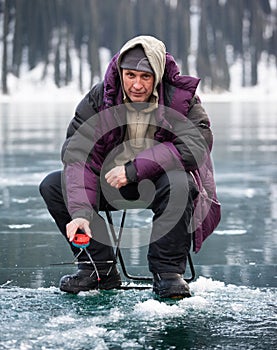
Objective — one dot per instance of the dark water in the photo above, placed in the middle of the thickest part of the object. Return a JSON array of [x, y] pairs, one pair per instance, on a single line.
[[234, 303]]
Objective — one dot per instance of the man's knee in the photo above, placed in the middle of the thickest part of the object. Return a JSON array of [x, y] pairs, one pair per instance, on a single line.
[[50, 185], [178, 185]]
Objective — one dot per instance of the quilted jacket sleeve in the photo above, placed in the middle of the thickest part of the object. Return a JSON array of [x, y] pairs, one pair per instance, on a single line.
[[189, 145], [79, 178], [194, 139]]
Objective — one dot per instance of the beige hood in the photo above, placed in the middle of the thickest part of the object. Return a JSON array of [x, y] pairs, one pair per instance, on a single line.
[[154, 50]]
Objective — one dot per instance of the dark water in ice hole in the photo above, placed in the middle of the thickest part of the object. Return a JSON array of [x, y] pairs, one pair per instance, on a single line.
[[234, 302]]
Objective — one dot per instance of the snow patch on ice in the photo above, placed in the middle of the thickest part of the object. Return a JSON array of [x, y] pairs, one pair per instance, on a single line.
[[20, 226], [230, 232], [154, 308]]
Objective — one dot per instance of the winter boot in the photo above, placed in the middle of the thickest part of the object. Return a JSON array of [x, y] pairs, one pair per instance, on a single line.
[[170, 285], [85, 280]]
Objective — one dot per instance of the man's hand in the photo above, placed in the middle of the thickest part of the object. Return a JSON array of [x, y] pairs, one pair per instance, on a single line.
[[74, 225], [117, 177]]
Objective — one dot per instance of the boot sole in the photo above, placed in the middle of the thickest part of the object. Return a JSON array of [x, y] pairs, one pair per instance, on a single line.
[[174, 293], [102, 286], [111, 285]]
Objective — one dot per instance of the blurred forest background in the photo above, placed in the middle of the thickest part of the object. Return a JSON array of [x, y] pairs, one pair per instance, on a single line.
[[205, 36]]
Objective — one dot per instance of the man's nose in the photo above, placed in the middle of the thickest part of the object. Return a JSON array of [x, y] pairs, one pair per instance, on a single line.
[[137, 85]]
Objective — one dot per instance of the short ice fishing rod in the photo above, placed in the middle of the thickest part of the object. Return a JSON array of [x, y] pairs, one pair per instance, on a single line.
[[82, 241]]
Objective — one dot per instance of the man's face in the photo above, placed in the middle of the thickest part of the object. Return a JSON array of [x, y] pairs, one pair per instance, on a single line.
[[138, 85]]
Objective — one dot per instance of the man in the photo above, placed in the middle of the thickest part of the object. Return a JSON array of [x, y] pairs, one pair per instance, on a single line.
[[140, 134]]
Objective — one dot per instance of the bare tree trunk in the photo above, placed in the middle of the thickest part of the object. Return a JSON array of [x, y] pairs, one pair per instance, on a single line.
[[68, 67], [4, 57], [17, 39], [93, 45], [203, 62]]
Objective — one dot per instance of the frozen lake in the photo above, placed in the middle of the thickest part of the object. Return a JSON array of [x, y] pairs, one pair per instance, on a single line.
[[234, 303]]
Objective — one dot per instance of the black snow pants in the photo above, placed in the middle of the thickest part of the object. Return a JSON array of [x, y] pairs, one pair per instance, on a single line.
[[170, 197]]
